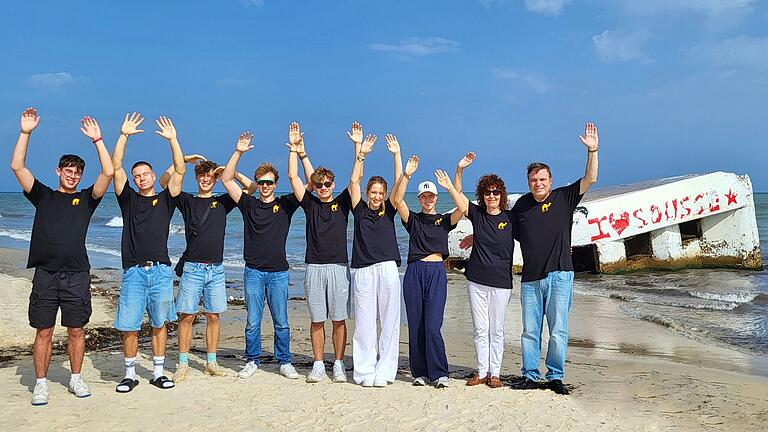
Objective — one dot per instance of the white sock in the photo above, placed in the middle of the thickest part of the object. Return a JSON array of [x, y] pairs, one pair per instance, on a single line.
[[338, 362], [159, 362], [130, 367], [318, 365], [74, 378], [41, 380]]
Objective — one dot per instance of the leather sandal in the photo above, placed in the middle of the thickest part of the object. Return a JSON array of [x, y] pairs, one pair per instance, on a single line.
[[494, 382], [476, 380]]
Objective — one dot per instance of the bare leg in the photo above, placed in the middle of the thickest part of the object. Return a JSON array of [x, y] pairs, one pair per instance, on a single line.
[[159, 339], [339, 338], [130, 344], [41, 351], [76, 348], [212, 329], [185, 332], [317, 336]]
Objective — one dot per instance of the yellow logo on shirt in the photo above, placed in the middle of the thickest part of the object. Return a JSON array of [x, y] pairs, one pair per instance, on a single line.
[[439, 221], [275, 208], [75, 201], [213, 204], [502, 225], [381, 213], [154, 202], [545, 207], [335, 207]]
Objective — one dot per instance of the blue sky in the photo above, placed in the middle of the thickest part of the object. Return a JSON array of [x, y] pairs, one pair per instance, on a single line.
[[675, 86]]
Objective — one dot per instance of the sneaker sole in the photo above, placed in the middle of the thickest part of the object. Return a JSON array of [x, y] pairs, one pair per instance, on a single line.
[[39, 403], [80, 397], [340, 379]]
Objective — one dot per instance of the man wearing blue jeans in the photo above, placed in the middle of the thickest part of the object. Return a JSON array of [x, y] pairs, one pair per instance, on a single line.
[[545, 217], [265, 223]]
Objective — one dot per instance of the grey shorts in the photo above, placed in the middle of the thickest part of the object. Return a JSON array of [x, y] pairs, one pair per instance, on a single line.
[[327, 289]]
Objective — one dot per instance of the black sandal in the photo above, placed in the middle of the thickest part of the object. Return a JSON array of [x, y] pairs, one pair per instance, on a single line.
[[161, 382], [127, 382]]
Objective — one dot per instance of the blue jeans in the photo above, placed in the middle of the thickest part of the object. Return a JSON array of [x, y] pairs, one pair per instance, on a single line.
[[550, 297], [273, 286], [147, 289], [202, 280]]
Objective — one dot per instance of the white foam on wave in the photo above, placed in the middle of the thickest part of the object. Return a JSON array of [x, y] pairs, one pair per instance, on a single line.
[[176, 229], [102, 249], [17, 234], [740, 298], [116, 221]]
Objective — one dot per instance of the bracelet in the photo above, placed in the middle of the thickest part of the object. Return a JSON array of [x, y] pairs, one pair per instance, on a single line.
[[293, 151], [124, 134], [406, 176], [25, 132], [592, 151], [97, 140], [360, 158], [302, 157]]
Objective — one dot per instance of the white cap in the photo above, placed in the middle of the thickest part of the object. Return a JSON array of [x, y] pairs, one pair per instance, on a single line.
[[427, 186]]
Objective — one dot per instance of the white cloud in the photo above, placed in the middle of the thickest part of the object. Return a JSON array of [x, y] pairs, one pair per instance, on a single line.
[[529, 78], [713, 9], [546, 7], [52, 81], [413, 47], [738, 52], [255, 3], [611, 47]]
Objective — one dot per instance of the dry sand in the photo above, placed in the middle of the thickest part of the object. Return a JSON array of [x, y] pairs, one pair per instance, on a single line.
[[626, 375]]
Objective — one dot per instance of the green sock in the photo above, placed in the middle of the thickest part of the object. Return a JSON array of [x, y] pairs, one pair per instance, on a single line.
[[211, 357], [184, 358]]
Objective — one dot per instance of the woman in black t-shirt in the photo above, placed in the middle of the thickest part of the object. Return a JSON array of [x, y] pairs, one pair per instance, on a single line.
[[489, 270], [375, 259], [425, 285]]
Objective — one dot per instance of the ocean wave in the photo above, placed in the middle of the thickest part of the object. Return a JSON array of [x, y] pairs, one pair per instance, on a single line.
[[711, 305], [746, 297], [102, 249], [17, 234], [176, 229], [116, 221]]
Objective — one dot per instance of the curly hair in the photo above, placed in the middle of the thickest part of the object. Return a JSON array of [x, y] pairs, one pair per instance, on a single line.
[[205, 167], [484, 183]]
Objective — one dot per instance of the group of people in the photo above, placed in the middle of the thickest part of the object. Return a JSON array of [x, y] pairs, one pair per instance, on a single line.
[[540, 220]]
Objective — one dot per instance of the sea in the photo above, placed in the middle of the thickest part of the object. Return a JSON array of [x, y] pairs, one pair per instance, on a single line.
[[724, 307]]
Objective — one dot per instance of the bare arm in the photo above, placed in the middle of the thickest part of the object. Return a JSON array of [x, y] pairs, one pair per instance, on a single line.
[[29, 121], [357, 169], [461, 200], [90, 128], [393, 146], [402, 185], [355, 135], [228, 175], [294, 137], [166, 177], [168, 131], [129, 127], [463, 163], [590, 140]]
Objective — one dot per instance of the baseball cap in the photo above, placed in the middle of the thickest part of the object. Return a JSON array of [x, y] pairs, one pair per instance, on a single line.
[[427, 186]]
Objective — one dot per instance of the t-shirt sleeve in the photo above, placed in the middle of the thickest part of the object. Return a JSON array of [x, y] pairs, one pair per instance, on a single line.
[[170, 201], [571, 193], [391, 209], [245, 202], [345, 200], [290, 203], [227, 202], [87, 196], [124, 199], [37, 192], [513, 223], [472, 211], [446, 222], [407, 225], [358, 209]]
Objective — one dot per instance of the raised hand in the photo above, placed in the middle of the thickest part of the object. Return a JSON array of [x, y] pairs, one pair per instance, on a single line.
[[167, 130], [443, 179], [29, 120], [131, 124], [356, 133], [590, 138], [218, 170], [90, 128], [392, 144], [295, 136], [467, 160], [244, 142], [367, 145], [194, 158], [412, 165]]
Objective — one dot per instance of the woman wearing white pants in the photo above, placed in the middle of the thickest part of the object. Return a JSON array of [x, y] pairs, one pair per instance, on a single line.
[[375, 259], [489, 270]]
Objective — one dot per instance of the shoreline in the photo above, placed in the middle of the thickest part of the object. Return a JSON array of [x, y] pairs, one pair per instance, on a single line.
[[625, 374]]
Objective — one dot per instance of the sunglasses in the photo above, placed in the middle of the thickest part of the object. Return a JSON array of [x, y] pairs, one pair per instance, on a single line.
[[265, 182], [494, 192], [326, 184]]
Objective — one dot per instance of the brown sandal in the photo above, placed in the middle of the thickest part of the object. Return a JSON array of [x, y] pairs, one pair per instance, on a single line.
[[476, 380], [494, 382]]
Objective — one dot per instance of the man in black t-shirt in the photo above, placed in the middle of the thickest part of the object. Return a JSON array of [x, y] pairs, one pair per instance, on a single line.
[[147, 284], [545, 217], [57, 251]]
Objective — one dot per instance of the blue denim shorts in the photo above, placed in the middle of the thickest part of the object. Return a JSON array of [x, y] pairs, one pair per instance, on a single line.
[[204, 281], [145, 289]]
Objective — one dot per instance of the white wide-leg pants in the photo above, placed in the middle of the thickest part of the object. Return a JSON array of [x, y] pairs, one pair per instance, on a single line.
[[489, 311]]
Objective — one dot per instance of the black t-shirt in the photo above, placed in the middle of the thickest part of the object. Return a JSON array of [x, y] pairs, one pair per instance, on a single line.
[[265, 228], [374, 240], [490, 262], [326, 228], [429, 234], [545, 231], [208, 244], [145, 226], [59, 229]]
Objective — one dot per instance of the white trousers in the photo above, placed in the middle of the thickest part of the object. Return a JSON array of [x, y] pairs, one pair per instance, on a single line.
[[489, 311], [376, 287]]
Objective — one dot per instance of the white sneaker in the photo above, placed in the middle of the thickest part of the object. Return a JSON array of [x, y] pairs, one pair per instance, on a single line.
[[420, 381], [379, 382], [79, 388], [339, 372], [317, 374], [40, 394], [287, 370], [367, 382], [443, 382], [248, 370]]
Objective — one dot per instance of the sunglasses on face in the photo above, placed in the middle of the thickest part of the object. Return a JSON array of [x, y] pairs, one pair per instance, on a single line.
[[494, 192], [326, 184], [265, 182]]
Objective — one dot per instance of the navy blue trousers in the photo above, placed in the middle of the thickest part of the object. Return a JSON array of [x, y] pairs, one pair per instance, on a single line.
[[425, 287]]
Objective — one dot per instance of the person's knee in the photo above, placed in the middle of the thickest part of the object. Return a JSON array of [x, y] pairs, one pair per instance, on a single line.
[[44, 334], [187, 319], [76, 332], [337, 324], [212, 318]]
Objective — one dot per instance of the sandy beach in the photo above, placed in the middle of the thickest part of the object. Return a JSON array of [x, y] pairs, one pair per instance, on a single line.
[[625, 374]]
